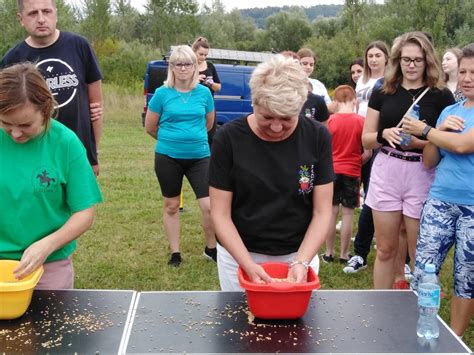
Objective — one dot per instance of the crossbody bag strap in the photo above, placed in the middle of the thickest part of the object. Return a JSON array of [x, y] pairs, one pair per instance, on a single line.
[[412, 105]]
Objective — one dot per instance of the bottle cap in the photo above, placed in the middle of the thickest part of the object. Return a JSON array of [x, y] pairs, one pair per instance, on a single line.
[[430, 268]]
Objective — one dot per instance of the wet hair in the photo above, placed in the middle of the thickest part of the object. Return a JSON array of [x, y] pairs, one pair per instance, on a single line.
[[379, 45], [21, 6], [457, 53], [185, 54], [432, 76], [21, 84], [305, 53], [279, 85], [200, 42], [344, 93]]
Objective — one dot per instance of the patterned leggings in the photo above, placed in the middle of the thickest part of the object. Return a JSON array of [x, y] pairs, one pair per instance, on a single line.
[[443, 225]]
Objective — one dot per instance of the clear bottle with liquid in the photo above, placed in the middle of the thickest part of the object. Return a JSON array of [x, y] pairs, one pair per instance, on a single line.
[[428, 304], [413, 114]]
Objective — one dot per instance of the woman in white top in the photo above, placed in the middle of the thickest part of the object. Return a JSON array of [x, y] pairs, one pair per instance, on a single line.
[[375, 60], [450, 68], [308, 61]]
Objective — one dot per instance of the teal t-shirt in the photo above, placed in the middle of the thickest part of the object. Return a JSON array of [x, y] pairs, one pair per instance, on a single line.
[[454, 175], [42, 182], [182, 133]]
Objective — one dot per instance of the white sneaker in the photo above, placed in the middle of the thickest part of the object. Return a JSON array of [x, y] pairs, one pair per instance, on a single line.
[[355, 264], [338, 225]]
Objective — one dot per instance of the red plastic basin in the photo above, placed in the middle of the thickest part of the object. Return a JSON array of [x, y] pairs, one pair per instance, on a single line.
[[278, 300]]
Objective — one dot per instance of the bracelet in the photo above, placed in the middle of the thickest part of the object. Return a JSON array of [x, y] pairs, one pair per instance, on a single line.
[[380, 136], [425, 132], [298, 262]]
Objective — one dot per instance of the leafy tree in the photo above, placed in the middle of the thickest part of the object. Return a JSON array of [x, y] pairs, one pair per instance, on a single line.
[[287, 30], [244, 30], [95, 24], [171, 22], [125, 22], [216, 26], [11, 32]]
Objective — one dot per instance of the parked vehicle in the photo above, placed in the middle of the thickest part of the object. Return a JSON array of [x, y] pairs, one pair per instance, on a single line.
[[233, 100]]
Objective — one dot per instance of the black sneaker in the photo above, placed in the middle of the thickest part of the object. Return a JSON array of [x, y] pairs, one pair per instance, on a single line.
[[355, 264], [175, 259], [327, 258], [210, 253]]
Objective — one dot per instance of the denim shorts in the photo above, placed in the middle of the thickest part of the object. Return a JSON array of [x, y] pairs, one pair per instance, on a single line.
[[443, 225], [398, 185]]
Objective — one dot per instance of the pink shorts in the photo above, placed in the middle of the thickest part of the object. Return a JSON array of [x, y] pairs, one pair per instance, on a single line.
[[398, 185], [57, 275]]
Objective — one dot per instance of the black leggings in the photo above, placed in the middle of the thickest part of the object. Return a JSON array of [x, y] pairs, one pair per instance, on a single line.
[[170, 172]]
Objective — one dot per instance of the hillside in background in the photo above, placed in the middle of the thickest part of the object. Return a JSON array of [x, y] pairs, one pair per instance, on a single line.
[[259, 15]]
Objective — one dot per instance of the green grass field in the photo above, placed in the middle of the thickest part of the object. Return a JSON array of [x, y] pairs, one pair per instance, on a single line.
[[126, 247]]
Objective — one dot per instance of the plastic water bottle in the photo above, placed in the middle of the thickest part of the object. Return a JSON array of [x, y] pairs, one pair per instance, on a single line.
[[413, 114], [428, 304]]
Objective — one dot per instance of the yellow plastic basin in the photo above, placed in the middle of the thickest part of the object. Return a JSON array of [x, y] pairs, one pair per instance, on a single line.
[[15, 295]]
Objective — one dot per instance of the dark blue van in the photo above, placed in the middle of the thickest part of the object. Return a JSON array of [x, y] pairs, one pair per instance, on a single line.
[[234, 99]]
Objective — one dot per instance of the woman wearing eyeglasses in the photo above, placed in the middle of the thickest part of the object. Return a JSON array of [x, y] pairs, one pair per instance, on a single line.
[[399, 182], [179, 116]]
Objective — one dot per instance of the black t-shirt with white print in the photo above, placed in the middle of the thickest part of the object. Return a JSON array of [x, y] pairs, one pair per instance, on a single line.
[[271, 182], [68, 66]]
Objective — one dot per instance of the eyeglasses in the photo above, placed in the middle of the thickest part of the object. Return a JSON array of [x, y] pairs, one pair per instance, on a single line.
[[183, 65], [417, 62]]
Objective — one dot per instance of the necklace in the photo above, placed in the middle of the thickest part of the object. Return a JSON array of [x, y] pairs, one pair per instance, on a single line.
[[416, 95], [185, 96]]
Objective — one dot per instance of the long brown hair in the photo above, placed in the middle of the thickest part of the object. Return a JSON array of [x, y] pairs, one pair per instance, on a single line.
[[367, 71], [21, 84], [432, 75]]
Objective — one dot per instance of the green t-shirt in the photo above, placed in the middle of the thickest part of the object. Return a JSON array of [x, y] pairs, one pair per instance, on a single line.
[[42, 183]]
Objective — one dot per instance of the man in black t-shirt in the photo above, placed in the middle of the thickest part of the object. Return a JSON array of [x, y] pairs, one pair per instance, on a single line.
[[70, 68]]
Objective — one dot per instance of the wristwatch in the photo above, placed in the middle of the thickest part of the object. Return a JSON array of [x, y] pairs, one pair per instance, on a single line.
[[426, 130]]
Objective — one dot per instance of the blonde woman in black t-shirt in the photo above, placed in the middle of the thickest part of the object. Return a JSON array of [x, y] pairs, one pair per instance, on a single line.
[[399, 182], [271, 180]]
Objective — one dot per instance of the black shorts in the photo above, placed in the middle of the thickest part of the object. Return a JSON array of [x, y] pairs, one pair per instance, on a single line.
[[346, 191], [170, 172]]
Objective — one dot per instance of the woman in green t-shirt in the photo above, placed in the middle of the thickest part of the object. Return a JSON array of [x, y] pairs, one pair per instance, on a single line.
[[47, 186]]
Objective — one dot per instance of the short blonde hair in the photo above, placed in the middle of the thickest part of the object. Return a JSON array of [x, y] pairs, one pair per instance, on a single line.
[[183, 54], [279, 85]]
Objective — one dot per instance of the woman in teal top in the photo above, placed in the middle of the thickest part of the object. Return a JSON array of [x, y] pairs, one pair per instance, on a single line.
[[179, 116], [47, 186]]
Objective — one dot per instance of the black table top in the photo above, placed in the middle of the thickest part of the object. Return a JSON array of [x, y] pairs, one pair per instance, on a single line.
[[336, 321], [69, 321]]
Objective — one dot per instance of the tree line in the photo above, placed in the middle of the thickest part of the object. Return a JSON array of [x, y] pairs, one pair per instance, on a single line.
[[126, 39]]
